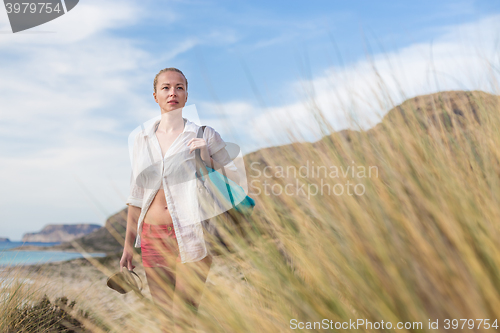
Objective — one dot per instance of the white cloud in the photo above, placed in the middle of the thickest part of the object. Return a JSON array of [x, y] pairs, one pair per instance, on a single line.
[[457, 60]]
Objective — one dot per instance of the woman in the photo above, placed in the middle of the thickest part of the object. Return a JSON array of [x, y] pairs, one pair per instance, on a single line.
[[162, 215]]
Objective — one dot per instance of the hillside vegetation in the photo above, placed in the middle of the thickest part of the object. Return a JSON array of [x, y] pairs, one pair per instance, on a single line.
[[417, 238]]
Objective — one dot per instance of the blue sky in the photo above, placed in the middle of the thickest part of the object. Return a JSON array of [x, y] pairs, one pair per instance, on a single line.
[[73, 89], [276, 39]]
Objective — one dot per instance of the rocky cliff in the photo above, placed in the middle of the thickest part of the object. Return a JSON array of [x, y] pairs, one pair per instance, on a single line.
[[60, 233], [108, 239], [4, 239]]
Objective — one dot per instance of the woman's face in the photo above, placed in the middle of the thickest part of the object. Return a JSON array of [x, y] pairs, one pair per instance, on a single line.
[[171, 91]]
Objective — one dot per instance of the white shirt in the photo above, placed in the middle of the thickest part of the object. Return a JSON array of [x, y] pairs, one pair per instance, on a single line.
[[175, 174]]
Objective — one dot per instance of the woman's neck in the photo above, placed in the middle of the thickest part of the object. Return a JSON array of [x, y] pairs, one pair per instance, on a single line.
[[171, 121]]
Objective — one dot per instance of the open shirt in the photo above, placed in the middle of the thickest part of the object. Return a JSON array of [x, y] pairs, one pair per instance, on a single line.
[[173, 173]]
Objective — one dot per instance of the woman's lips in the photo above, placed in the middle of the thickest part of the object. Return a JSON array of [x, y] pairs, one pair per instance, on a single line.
[[173, 102]]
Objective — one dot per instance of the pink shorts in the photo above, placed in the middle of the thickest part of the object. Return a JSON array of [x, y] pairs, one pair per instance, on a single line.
[[158, 242]]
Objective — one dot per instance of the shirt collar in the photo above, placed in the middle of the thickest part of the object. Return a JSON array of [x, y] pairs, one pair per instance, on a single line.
[[188, 127]]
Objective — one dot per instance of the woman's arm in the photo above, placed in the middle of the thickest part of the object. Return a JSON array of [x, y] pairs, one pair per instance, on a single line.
[[134, 202], [130, 236], [132, 219]]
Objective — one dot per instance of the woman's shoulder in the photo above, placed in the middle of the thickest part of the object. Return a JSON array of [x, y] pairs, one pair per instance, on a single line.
[[209, 132], [138, 144], [137, 136], [213, 139]]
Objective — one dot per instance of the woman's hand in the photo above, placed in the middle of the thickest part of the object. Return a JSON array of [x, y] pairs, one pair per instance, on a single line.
[[201, 144], [126, 260]]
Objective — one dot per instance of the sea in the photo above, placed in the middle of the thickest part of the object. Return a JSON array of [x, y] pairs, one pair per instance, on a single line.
[[15, 258]]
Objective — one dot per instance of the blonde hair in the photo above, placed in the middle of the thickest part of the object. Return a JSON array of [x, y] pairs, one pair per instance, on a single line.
[[172, 69]]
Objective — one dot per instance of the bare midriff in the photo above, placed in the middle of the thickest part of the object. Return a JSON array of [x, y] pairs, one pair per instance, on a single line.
[[158, 212]]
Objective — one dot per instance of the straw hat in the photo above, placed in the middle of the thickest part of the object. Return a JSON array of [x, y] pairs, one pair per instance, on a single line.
[[124, 281]]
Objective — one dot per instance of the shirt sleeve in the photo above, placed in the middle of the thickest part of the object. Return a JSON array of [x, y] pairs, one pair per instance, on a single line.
[[213, 139], [216, 148], [136, 194], [222, 157]]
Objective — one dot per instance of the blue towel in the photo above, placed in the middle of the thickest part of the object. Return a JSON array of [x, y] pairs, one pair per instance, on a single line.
[[230, 191]]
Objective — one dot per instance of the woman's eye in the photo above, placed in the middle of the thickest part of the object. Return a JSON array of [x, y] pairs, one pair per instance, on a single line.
[[180, 88]]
